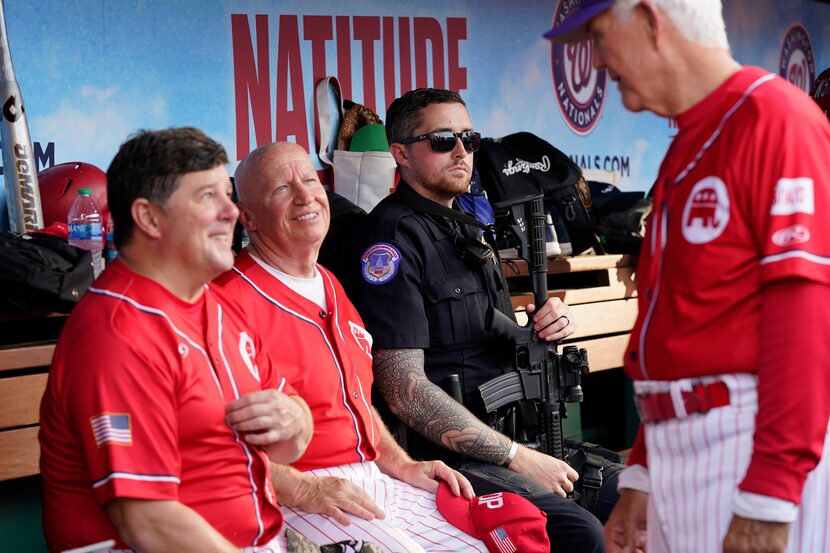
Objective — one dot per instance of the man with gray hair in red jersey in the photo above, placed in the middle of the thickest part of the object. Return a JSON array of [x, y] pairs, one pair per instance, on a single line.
[[733, 290], [354, 482]]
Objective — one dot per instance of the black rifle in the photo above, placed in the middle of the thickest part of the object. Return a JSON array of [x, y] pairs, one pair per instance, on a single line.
[[541, 377]]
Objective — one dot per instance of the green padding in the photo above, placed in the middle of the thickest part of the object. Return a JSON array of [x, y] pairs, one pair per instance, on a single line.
[[369, 138], [572, 425], [20, 525]]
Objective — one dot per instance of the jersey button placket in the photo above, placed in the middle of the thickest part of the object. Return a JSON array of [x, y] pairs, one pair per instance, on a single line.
[[214, 358]]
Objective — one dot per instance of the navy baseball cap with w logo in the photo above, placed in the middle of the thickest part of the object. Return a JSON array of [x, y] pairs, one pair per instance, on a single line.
[[572, 17]]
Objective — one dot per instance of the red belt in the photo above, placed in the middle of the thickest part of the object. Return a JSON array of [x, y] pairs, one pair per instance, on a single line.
[[702, 397]]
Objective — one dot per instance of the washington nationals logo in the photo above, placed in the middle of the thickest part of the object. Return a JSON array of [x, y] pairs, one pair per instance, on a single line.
[[578, 85], [797, 63]]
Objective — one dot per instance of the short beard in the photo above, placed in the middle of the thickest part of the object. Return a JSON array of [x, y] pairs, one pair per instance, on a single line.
[[445, 187]]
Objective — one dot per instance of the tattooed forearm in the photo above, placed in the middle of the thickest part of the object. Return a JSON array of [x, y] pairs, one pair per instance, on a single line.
[[427, 409]]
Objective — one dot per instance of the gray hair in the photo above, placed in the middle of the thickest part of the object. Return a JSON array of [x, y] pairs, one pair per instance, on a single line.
[[700, 21]]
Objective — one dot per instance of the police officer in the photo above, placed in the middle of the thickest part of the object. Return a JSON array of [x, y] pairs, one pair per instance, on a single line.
[[423, 285]]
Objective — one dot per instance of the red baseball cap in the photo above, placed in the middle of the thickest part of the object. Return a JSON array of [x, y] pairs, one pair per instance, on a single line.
[[506, 522], [58, 228], [573, 16]]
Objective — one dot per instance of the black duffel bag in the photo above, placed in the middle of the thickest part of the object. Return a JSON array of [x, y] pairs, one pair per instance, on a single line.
[[522, 164], [619, 217], [42, 272]]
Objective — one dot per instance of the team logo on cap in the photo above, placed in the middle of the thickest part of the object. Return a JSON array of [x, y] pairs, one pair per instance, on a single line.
[[579, 87], [797, 63], [380, 263], [248, 353], [706, 213], [492, 500]]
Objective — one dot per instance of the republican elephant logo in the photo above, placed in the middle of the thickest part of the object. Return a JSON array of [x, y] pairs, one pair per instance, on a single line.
[[706, 213]]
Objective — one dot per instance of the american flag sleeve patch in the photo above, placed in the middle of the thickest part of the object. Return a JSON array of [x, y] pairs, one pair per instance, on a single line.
[[112, 428], [502, 540]]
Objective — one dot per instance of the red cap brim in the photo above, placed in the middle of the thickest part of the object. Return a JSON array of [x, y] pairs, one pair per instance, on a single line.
[[456, 509]]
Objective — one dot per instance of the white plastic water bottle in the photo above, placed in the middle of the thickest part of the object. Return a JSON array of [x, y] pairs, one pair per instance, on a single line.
[[85, 228]]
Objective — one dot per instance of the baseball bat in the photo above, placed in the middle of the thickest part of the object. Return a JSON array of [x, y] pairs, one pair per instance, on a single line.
[[19, 165]]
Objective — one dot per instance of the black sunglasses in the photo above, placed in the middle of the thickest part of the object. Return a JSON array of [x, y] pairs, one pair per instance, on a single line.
[[445, 141]]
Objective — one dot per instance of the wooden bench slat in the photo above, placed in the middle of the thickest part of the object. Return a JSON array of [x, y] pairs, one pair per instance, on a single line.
[[604, 353], [20, 399], [24, 357], [605, 317], [518, 267], [19, 452], [620, 286], [595, 319]]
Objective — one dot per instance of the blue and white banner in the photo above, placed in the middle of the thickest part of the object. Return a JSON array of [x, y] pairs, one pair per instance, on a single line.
[[94, 71]]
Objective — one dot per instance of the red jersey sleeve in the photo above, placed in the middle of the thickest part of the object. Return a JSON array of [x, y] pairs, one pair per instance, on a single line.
[[791, 199], [794, 366], [123, 411]]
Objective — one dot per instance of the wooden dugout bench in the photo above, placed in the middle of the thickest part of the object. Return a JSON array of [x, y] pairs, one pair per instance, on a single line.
[[599, 289], [27, 341]]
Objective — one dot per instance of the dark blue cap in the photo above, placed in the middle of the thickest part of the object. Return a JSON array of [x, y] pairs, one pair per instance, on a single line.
[[572, 17]]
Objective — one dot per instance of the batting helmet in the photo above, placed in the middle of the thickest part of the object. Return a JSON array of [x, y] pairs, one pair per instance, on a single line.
[[59, 186]]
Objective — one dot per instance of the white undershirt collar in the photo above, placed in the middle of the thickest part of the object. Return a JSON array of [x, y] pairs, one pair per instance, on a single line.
[[311, 289]]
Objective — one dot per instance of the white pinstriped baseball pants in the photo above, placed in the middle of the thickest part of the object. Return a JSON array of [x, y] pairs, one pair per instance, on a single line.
[[412, 524], [695, 465], [272, 546]]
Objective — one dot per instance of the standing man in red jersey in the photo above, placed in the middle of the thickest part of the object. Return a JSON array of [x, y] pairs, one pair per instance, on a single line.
[[162, 408], [730, 353]]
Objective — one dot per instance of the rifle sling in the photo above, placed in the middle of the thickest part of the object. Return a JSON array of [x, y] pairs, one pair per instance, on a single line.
[[419, 203]]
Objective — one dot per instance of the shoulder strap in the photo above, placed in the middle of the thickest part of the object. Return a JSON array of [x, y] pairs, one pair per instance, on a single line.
[[419, 203], [328, 134]]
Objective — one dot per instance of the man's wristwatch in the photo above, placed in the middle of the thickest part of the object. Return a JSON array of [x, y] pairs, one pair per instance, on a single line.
[[514, 447]]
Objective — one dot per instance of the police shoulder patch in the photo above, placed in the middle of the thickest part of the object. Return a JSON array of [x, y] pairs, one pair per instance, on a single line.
[[380, 263]]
